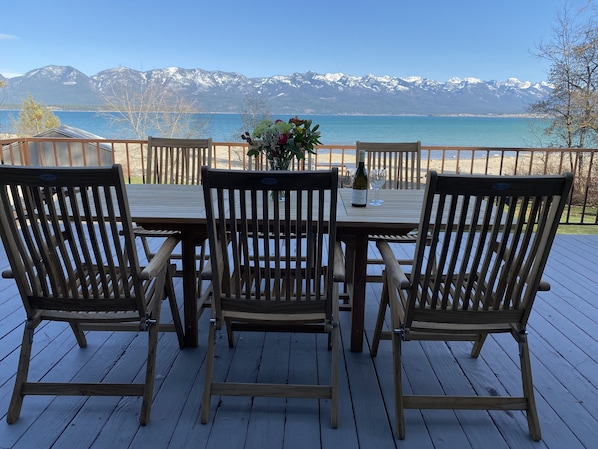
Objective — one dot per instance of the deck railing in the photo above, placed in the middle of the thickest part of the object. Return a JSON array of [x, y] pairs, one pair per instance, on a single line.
[[582, 207]]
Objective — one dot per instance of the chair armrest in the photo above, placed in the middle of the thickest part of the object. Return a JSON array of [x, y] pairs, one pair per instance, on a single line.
[[392, 266], [543, 286], [7, 274], [339, 263], [161, 258]]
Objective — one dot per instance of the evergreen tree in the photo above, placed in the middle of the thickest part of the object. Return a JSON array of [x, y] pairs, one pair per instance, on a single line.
[[34, 118]]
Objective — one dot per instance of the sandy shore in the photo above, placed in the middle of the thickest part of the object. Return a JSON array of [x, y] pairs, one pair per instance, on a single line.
[[492, 165], [333, 158], [496, 164]]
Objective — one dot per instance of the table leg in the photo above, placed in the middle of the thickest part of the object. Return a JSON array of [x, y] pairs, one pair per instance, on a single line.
[[189, 289], [360, 250]]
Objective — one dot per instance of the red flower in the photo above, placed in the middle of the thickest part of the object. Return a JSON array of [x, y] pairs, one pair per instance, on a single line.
[[283, 139]]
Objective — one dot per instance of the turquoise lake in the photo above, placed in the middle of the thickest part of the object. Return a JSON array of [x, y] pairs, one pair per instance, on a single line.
[[431, 130]]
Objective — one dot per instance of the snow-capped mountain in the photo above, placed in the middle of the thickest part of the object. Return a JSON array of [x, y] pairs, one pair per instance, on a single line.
[[298, 93]]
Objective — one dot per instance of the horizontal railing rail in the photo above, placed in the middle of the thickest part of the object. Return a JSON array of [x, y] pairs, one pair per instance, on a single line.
[[582, 206]]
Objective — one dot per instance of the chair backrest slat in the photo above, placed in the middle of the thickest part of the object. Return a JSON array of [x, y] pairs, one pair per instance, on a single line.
[[69, 239], [482, 246], [177, 161]]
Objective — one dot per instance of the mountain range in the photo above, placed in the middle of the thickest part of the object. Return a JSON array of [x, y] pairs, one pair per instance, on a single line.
[[65, 87]]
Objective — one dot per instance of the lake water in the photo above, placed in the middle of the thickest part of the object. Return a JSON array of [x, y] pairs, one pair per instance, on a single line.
[[503, 132]]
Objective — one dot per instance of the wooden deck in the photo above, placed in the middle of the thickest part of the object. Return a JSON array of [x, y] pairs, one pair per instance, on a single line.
[[563, 334]]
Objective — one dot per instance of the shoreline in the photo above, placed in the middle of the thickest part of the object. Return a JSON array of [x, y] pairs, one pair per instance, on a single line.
[[465, 115]]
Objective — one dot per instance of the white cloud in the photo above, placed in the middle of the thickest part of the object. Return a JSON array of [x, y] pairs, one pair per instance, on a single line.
[[7, 37]]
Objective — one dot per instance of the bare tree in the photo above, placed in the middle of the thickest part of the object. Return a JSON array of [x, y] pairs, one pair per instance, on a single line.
[[573, 54], [254, 109], [148, 107]]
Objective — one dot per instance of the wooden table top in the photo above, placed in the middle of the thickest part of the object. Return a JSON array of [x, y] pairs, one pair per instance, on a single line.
[[183, 204]]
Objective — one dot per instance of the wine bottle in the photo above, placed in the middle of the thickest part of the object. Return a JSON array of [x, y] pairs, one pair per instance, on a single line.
[[359, 198]]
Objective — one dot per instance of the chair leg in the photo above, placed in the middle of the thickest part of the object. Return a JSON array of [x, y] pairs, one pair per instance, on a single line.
[[349, 263], [477, 346], [174, 308], [381, 314], [528, 389], [398, 384], [335, 335], [207, 388], [150, 373], [79, 335], [230, 334], [16, 401]]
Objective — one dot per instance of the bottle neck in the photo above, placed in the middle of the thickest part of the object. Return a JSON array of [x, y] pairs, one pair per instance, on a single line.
[[361, 158]]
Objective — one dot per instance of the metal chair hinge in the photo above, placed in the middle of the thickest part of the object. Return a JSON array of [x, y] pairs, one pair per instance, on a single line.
[[401, 332]]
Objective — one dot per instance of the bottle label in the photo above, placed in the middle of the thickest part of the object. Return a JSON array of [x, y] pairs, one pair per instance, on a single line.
[[359, 197]]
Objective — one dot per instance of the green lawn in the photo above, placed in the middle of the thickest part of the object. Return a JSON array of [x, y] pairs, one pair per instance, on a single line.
[[578, 229]]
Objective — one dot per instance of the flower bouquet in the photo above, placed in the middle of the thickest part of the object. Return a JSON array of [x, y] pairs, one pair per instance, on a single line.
[[281, 141]]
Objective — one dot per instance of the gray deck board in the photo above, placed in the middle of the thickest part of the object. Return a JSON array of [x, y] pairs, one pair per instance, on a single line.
[[563, 343]]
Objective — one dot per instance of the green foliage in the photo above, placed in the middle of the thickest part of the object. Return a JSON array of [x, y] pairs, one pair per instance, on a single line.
[[34, 118], [281, 141]]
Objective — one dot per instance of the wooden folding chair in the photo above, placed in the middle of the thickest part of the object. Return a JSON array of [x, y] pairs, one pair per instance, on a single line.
[[482, 246], [178, 161], [402, 161], [274, 266], [69, 240]]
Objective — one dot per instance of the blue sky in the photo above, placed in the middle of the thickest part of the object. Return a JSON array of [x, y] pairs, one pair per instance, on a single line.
[[436, 39]]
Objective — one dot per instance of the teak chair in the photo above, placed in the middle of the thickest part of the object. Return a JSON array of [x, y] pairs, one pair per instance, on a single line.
[[69, 240], [177, 161], [478, 274], [402, 161], [274, 267]]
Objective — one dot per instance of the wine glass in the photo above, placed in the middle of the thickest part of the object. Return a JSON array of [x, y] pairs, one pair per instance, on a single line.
[[377, 179], [347, 178]]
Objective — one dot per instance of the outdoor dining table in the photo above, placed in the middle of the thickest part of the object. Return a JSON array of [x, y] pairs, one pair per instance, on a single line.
[[181, 208]]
